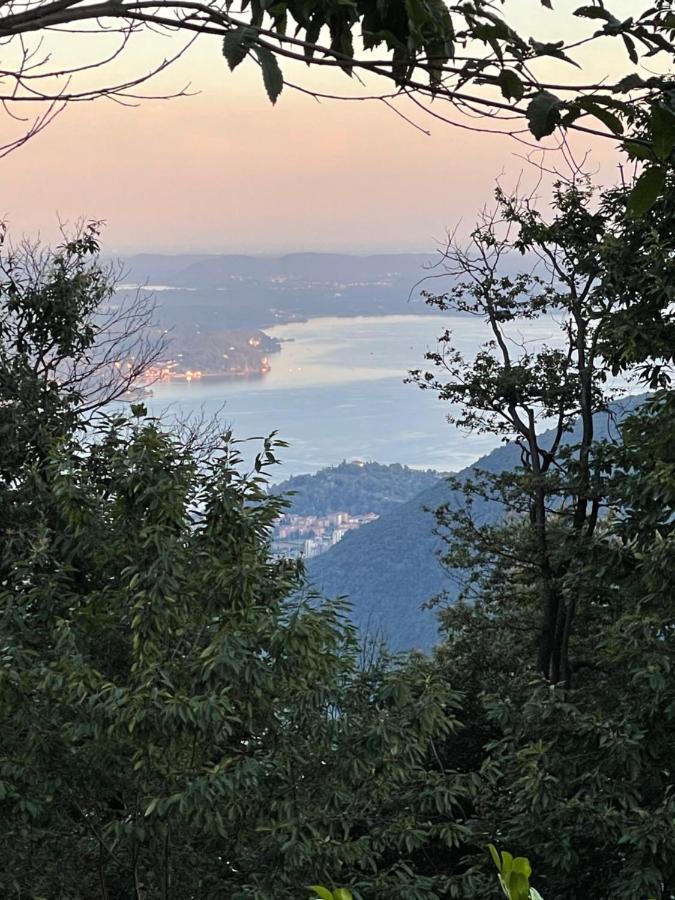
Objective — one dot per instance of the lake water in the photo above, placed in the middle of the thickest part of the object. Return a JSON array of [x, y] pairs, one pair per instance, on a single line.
[[336, 392]]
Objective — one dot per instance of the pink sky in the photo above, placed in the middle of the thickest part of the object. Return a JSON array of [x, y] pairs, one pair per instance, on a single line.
[[225, 171]]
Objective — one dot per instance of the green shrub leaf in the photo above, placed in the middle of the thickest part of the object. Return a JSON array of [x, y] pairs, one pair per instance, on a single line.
[[272, 77], [647, 188], [543, 114]]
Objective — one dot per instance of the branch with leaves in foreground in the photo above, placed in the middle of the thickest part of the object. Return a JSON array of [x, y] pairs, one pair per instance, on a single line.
[[466, 53], [514, 879]]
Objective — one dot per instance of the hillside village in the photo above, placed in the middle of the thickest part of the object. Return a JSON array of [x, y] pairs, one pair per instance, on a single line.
[[310, 536]]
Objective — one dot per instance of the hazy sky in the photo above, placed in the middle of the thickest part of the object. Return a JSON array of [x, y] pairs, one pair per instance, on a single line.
[[225, 171]]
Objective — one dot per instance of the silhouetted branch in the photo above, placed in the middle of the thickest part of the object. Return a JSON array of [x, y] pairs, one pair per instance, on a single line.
[[421, 63]]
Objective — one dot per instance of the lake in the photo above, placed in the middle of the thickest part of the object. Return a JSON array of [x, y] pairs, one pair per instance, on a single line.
[[336, 392]]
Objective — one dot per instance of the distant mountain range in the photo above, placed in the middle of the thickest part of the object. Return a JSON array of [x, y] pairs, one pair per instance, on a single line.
[[215, 271], [390, 567], [213, 293]]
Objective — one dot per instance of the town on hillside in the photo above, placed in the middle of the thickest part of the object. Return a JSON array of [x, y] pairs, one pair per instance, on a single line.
[[310, 536]]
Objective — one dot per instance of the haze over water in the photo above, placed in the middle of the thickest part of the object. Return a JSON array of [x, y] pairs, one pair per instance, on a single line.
[[336, 392]]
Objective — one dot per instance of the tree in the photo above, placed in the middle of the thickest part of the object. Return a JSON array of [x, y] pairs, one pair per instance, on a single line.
[[600, 268], [583, 776], [574, 773], [69, 347], [176, 724], [69, 344], [426, 50]]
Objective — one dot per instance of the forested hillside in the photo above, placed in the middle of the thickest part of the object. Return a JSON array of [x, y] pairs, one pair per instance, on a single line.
[[390, 568], [356, 488]]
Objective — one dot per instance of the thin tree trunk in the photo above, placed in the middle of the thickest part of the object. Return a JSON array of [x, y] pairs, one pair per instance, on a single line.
[[101, 873], [166, 880], [548, 657], [568, 619]]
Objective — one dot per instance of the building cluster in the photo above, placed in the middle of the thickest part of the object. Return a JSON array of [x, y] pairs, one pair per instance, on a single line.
[[198, 354], [309, 536]]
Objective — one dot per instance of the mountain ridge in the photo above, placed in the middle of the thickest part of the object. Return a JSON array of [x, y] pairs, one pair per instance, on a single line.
[[200, 270], [389, 568], [354, 487]]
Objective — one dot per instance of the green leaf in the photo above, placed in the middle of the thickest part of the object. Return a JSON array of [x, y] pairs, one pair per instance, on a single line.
[[321, 892], [279, 13], [436, 57], [543, 114], [629, 83], [608, 118], [552, 48], [662, 123], [519, 886], [312, 35], [237, 43], [646, 190], [638, 151], [522, 865], [495, 856], [400, 64], [595, 12], [272, 77], [342, 894], [511, 85], [629, 44], [507, 861], [417, 12]]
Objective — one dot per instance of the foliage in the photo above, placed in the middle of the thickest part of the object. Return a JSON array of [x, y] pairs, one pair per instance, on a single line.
[[508, 389], [66, 352], [572, 764], [324, 894], [176, 721], [581, 776], [60, 337], [590, 288], [468, 53], [180, 720], [514, 875]]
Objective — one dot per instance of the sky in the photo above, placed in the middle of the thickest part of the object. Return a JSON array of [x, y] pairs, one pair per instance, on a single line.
[[224, 171]]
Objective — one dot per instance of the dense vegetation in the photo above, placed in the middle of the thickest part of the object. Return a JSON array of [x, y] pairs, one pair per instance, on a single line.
[[354, 487], [579, 775], [183, 718], [177, 722]]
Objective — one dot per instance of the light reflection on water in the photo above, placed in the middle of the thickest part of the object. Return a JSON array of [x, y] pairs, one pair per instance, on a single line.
[[336, 392]]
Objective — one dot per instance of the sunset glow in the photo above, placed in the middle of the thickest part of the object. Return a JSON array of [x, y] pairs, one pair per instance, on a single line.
[[225, 171]]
